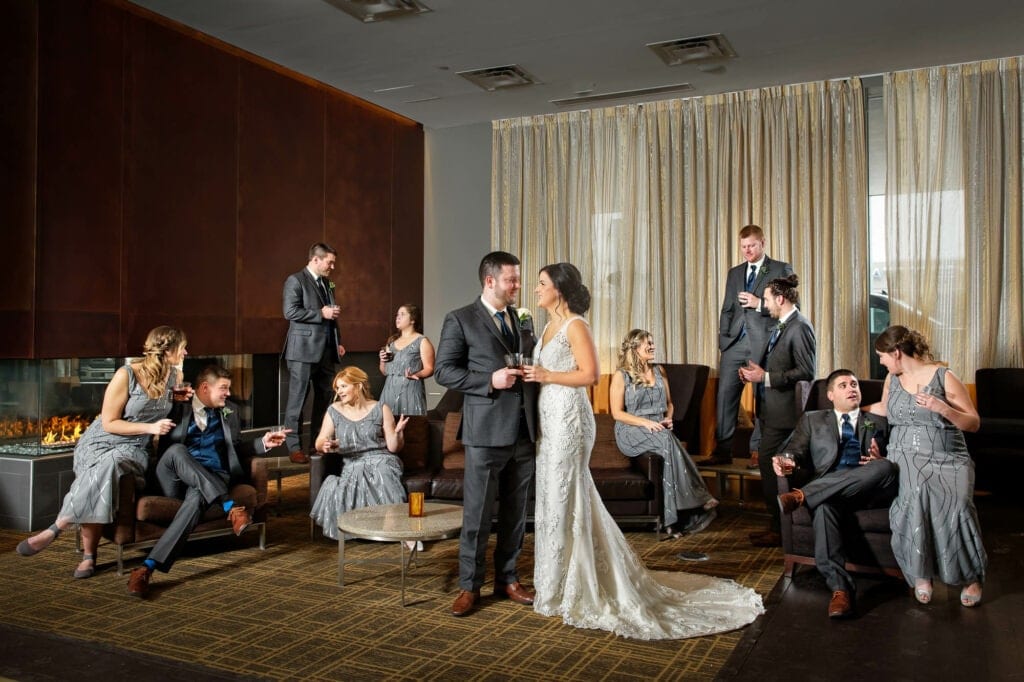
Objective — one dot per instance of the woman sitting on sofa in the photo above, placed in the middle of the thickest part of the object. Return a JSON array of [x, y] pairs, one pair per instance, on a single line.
[[642, 408], [364, 431]]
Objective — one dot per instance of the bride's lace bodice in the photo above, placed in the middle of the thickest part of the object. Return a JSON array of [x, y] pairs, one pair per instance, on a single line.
[[585, 570]]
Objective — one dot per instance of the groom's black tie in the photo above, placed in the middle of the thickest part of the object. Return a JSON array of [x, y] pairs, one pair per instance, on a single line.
[[506, 331]]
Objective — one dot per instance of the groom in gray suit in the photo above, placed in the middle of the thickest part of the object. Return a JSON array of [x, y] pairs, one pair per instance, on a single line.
[[313, 347], [840, 468], [499, 428]]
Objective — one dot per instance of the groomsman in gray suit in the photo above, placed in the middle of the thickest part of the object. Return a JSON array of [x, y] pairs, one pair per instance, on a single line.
[[743, 329], [499, 428], [789, 358], [200, 459], [840, 468], [313, 347]]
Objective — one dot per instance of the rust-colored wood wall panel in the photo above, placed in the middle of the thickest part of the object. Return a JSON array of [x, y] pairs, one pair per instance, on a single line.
[[180, 189], [180, 182], [358, 218], [78, 302], [18, 49], [407, 227], [280, 196]]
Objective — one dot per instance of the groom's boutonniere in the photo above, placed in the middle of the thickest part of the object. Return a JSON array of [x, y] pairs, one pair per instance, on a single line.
[[524, 315], [226, 411], [330, 285], [781, 326], [762, 276], [869, 426]]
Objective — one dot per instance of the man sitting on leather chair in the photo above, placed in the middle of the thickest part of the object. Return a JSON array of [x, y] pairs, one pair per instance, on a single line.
[[200, 459], [839, 455]]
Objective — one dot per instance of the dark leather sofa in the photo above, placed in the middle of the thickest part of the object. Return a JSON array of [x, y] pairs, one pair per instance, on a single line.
[[434, 462], [997, 447]]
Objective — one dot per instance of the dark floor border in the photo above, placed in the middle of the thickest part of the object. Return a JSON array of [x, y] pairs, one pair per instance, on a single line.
[[31, 655]]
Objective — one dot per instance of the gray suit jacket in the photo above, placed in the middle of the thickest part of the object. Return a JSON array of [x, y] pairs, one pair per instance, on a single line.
[[470, 350], [239, 453], [733, 315], [792, 360], [815, 442], [308, 331]]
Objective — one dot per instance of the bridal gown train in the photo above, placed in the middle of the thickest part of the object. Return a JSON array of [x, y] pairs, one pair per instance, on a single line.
[[584, 569]]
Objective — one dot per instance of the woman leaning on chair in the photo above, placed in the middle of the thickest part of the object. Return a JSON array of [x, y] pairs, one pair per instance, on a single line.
[[642, 407], [935, 530], [135, 407]]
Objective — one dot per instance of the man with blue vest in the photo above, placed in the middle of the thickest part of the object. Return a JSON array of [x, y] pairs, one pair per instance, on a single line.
[[200, 459]]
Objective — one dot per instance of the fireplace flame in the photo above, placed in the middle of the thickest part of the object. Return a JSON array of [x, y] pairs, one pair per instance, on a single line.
[[60, 430]]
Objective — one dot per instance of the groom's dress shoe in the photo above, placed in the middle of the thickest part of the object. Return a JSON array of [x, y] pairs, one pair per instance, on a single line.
[[465, 602], [514, 591]]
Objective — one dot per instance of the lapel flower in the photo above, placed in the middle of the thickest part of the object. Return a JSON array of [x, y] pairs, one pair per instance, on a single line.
[[330, 285], [524, 314], [226, 411], [762, 276], [781, 326], [869, 425]]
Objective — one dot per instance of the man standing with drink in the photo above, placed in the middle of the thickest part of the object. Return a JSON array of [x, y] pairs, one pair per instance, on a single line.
[[499, 428], [743, 329], [313, 347]]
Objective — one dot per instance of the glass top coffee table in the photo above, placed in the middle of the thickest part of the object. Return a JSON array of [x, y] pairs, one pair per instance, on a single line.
[[392, 523]]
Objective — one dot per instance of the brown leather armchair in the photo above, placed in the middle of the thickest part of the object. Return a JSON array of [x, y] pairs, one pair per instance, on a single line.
[[142, 517]]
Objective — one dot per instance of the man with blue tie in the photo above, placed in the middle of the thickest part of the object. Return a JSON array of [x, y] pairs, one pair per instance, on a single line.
[[313, 347], [200, 459], [840, 467], [743, 328]]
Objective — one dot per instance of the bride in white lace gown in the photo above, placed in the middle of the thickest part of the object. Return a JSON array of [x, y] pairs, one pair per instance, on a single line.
[[584, 569]]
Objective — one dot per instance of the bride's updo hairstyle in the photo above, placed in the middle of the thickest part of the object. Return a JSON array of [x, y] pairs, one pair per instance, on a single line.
[[910, 342], [569, 283]]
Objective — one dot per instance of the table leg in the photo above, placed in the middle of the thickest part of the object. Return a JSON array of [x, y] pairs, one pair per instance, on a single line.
[[401, 556], [341, 559]]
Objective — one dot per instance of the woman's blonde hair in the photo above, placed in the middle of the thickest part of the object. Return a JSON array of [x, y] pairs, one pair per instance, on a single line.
[[629, 361], [154, 369], [356, 377]]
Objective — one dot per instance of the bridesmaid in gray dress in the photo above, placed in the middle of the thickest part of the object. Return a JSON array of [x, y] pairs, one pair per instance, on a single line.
[[412, 361], [365, 433], [935, 530], [642, 408], [135, 407]]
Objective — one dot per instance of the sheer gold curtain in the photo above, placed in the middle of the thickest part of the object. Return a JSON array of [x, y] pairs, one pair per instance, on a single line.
[[953, 210], [647, 201]]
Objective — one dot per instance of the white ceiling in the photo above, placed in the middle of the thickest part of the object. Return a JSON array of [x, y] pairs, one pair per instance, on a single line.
[[598, 45]]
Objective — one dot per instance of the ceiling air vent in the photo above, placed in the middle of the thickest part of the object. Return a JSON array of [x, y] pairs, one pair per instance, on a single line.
[[696, 50], [369, 11], [499, 77]]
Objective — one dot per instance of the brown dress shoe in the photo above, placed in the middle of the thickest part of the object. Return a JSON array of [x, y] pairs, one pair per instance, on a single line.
[[138, 582], [465, 602], [299, 457], [514, 591], [767, 539], [840, 606], [240, 519], [791, 501]]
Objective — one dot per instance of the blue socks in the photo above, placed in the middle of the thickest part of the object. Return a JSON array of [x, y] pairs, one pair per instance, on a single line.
[[149, 563], [228, 504]]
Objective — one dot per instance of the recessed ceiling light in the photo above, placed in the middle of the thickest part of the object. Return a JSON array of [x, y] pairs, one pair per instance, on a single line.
[[369, 11]]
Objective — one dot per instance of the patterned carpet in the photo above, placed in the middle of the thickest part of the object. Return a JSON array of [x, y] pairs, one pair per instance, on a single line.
[[279, 614]]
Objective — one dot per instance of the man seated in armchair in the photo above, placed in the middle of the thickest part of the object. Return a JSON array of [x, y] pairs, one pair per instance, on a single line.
[[200, 459], [839, 458]]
